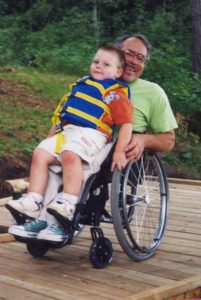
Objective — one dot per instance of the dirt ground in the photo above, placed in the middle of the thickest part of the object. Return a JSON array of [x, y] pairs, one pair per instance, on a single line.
[[15, 167], [12, 169]]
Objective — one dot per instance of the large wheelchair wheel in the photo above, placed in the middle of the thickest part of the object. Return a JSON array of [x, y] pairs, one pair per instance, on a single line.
[[139, 206]]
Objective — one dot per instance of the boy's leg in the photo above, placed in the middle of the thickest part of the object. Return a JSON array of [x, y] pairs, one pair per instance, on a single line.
[[53, 186], [30, 205], [81, 145], [72, 184], [72, 173], [41, 161], [66, 201]]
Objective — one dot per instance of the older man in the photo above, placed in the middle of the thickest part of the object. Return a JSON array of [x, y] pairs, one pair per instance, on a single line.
[[152, 109]]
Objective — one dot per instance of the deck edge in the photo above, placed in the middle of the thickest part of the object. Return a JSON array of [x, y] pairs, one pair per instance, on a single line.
[[168, 291]]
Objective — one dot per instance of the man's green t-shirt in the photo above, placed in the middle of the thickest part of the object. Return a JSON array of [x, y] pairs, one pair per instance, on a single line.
[[152, 107]]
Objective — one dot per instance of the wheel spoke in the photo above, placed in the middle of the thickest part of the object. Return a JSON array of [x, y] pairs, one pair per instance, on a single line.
[[139, 206]]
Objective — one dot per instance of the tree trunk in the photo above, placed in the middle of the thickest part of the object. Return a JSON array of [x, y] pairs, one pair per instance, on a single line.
[[196, 34], [95, 21]]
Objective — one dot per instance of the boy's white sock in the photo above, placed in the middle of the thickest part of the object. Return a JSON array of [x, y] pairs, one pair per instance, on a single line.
[[69, 197], [37, 197]]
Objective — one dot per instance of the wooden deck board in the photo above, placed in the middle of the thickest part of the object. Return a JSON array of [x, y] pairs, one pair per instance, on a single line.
[[67, 274]]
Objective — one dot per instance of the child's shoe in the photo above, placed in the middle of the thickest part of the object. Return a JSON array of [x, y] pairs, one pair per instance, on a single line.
[[26, 205], [64, 207], [29, 229], [53, 232]]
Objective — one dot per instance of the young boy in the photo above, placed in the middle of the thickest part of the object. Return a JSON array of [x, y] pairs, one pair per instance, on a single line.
[[82, 124]]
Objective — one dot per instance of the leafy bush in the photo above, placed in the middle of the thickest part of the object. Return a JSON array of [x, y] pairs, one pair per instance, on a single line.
[[59, 37]]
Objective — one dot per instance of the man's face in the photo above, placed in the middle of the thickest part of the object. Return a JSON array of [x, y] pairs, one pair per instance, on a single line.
[[136, 56]]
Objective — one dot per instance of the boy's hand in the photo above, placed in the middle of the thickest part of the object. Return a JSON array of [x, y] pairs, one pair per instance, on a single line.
[[136, 147], [119, 160]]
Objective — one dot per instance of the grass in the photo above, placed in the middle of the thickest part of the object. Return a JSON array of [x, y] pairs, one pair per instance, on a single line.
[[27, 102], [47, 85]]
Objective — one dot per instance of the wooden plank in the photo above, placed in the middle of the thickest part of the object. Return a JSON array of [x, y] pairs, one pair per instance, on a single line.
[[37, 291], [168, 291], [6, 219], [64, 277], [18, 185], [6, 237], [3, 201], [185, 182], [11, 290], [66, 273]]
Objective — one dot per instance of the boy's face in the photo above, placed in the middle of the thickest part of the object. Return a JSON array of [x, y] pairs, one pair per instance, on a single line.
[[105, 65]]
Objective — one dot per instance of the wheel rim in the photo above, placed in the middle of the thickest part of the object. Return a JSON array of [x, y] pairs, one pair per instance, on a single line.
[[141, 200], [101, 253]]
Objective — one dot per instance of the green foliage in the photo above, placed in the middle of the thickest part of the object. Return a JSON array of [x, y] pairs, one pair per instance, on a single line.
[[186, 156], [57, 37]]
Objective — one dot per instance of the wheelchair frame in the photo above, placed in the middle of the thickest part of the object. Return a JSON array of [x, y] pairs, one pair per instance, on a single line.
[[139, 209]]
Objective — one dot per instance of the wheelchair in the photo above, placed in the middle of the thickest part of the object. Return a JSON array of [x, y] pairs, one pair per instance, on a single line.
[[138, 210]]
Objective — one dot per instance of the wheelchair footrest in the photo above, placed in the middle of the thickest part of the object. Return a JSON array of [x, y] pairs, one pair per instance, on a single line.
[[18, 216], [65, 223]]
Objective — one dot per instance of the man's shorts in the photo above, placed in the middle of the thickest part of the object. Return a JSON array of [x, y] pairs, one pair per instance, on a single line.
[[83, 141]]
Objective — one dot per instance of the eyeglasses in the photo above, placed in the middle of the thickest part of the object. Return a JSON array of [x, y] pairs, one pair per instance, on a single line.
[[131, 54]]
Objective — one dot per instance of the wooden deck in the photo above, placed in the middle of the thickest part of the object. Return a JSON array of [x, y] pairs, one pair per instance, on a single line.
[[67, 274]]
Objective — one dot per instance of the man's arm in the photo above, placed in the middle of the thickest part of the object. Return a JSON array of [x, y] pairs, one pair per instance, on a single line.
[[160, 142]]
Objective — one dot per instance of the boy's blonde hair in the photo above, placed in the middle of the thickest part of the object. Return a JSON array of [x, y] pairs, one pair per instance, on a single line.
[[117, 51]]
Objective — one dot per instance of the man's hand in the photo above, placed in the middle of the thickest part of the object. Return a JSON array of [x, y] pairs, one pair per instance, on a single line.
[[135, 148], [158, 142]]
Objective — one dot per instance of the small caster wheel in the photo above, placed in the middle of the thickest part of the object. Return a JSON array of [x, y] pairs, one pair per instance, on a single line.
[[100, 253], [36, 248]]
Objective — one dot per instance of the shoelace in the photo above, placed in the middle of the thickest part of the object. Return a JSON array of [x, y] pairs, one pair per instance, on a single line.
[[30, 222], [54, 227]]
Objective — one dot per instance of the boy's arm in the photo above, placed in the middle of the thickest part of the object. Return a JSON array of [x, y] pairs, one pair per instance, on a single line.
[[122, 115], [124, 138], [52, 131]]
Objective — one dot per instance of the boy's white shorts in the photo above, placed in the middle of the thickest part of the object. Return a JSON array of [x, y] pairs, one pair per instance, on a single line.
[[83, 141]]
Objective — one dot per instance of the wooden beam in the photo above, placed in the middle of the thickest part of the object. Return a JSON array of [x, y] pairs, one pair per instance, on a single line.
[[184, 181], [18, 185], [3, 201], [6, 237], [169, 291]]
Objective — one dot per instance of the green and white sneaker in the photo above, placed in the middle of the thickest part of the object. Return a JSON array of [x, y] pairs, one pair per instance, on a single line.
[[54, 233], [29, 229]]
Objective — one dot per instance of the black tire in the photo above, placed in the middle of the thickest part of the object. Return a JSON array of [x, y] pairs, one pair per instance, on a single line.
[[100, 253], [37, 248], [139, 205]]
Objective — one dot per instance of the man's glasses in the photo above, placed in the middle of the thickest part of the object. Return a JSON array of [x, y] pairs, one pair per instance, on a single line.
[[131, 54]]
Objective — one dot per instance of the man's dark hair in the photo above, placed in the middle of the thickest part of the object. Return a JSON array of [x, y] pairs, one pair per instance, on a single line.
[[119, 41]]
